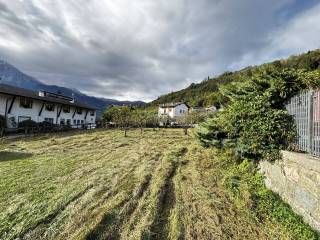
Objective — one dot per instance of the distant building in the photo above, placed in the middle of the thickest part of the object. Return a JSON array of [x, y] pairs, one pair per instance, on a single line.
[[18, 104], [173, 110], [197, 109], [211, 109], [202, 109]]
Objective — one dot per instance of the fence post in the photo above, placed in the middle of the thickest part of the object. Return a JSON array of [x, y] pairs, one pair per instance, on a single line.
[[310, 122]]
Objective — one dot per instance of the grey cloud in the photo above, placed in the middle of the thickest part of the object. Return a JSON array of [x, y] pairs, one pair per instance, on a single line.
[[138, 49]]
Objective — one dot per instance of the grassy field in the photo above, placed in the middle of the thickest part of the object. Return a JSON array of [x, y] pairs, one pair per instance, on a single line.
[[101, 185]]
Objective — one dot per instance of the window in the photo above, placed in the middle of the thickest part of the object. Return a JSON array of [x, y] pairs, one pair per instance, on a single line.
[[68, 121], [22, 118], [25, 102], [79, 110], [78, 122], [62, 121], [92, 113], [49, 120], [66, 109], [74, 122], [82, 122], [49, 107]]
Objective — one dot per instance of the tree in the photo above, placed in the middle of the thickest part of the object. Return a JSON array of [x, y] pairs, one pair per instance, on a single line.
[[109, 113], [139, 118], [152, 119], [122, 116], [190, 119], [164, 120]]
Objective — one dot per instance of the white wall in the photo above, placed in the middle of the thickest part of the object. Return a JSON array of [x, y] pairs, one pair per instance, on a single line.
[[33, 112], [169, 111], [3, 99], [180, 110], [78, 118], [161, 111], [177, 111]]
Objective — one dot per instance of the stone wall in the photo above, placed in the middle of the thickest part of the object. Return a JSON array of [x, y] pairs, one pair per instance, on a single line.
[[296, 178]]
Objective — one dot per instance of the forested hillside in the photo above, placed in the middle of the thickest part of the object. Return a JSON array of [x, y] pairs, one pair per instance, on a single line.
[[206, 93]]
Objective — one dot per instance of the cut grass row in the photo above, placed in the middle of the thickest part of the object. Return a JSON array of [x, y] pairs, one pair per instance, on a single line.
[[101, 185]]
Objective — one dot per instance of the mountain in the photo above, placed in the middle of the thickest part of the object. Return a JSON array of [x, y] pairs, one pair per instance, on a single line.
[[12, 76], [207, 92]]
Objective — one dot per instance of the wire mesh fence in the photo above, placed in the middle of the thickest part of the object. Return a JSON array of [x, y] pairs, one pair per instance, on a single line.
[[305, 108]]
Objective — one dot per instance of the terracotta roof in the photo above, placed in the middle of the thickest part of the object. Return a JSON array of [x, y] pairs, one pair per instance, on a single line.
[[16, 91]]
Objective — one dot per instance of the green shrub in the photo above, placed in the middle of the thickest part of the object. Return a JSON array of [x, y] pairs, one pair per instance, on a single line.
[[255, 122]]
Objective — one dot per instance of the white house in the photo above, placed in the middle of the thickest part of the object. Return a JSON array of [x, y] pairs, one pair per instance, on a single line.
[[18, 104], [173, 110]]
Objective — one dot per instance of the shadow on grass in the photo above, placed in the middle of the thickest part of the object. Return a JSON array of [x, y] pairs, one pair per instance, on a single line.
[[6, 156], [55, 135]]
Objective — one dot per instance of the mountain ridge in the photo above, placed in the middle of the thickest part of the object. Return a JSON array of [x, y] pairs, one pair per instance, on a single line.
[[11, 75]]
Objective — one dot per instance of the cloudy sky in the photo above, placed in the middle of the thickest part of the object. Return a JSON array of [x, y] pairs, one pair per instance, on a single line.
[[140, 49]]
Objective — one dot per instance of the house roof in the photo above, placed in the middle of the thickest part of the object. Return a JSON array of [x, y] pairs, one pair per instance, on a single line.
[[16, 91], [166, 105]]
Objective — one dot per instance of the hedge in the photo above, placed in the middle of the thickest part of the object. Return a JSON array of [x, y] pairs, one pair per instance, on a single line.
[[255, 123]]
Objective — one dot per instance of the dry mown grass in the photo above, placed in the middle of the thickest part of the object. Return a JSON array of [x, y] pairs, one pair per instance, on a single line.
[[101, 185]]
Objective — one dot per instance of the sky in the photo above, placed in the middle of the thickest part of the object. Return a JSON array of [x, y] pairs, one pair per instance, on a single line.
[[141, 49]]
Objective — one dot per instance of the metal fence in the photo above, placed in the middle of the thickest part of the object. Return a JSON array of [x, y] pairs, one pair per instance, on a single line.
[[305, 108]]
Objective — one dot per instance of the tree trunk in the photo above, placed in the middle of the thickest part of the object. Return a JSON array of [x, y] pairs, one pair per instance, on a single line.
[[185, 130], [125, 132], [141, 130]]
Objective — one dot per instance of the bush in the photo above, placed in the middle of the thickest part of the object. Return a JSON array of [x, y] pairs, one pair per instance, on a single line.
[[255, 121], [45, 126], [65, 127], [27, 124]]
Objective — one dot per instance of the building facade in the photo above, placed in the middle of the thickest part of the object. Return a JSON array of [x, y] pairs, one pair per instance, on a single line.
[[18, 104], [173, 110]]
